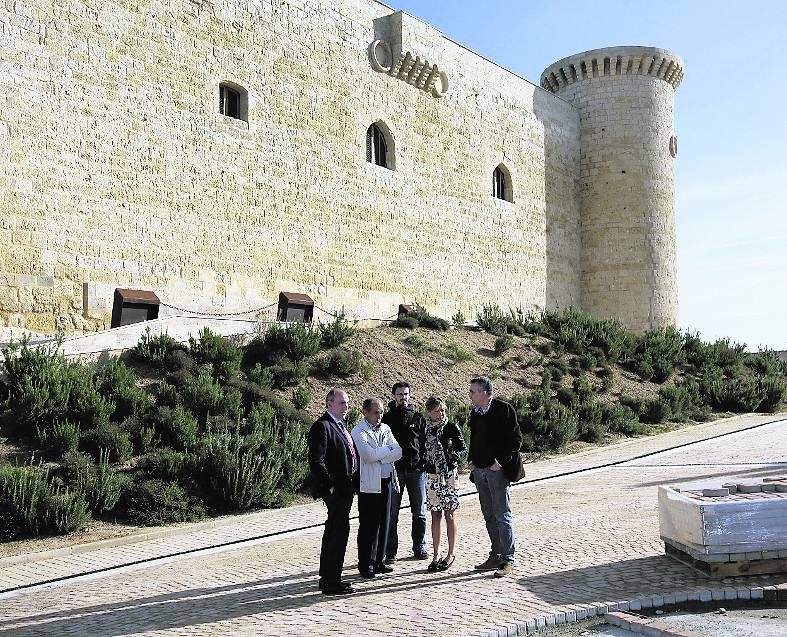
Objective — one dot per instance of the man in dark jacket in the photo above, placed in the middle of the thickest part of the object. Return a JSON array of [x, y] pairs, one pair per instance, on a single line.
[[333, 462], [495, 440], [408, 427]]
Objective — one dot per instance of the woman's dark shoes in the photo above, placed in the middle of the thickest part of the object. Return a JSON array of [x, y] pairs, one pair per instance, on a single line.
[[445, 563], [382, 568], [435, 565]]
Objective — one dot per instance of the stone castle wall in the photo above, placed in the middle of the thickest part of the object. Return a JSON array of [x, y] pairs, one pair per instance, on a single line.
[[625, 98], [117, 170]]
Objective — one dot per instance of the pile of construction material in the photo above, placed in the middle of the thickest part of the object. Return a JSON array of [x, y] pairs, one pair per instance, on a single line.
[[736, 528]]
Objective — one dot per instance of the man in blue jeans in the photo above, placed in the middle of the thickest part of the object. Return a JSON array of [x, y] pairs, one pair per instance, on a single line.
[[409, 429], [495, 440]]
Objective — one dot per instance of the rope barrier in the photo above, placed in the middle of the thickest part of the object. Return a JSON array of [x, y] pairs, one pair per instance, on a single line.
[[187, 311]]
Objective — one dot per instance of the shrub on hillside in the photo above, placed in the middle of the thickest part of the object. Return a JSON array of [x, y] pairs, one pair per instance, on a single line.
[[60, 437], [723, 353], [32, 504], [503, 343], [419, 317], [98, 482], [153, 502], [118, 383], [766, 362], [301, 397], [546, 423], [202, 395], [336, 332], [111, 438], [492, 319], [169, 465], [742, 394], [658, 353], [153, 350], [458, 319], [295, 342], [176, 426], [42, 387], [221, 353], [337, 363]]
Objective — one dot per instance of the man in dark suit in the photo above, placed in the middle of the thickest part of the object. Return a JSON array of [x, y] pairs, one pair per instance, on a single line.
[[333, 462]]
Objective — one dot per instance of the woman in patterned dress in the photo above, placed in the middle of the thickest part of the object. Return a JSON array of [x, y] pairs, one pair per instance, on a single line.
[[443, 447]]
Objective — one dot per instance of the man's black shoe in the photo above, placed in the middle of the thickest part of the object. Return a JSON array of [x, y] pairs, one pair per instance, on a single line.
[[367, 574], [382, 568], [338, 589], [421, 555], [323, 585]]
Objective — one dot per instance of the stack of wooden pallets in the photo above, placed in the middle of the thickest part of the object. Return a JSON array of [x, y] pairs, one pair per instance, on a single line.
[[734, 529]]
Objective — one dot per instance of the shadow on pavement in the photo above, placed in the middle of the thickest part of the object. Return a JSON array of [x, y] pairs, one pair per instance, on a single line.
[[762, 471], [620, 581], [195, 607]]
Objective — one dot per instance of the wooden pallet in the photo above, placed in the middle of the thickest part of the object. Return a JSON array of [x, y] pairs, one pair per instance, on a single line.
[[719, 570]]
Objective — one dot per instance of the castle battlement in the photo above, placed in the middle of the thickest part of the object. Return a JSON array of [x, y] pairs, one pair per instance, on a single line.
[[620, 60]]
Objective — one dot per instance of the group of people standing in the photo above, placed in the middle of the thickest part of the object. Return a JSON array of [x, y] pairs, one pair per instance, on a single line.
[[399, 448]]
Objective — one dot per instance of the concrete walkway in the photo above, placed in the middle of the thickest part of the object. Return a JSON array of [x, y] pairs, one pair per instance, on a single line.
[[588, 541]]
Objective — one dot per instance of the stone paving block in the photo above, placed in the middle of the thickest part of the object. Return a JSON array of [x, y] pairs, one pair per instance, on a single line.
[[757, 593], [730, 593], [717, 594]]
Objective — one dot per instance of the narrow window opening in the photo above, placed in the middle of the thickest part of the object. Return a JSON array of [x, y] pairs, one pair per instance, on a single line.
[[501, 184], [377, 148]]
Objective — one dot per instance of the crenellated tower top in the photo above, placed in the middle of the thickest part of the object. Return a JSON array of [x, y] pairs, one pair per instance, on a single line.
[[618, 60]]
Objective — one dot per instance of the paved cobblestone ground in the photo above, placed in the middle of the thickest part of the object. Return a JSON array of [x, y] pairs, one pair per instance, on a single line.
[[584, 540]]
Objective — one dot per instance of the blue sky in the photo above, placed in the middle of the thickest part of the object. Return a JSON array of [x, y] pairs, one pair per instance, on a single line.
[[731, 122]]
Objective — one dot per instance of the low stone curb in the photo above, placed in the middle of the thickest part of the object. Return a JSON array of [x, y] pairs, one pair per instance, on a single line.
[[616, 612], [134, 538]]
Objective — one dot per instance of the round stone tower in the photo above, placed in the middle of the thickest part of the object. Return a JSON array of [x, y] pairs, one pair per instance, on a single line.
[[625, 97]]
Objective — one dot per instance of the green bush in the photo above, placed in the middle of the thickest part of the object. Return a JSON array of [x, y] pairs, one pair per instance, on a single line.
[[295, 342], [99, 483], [109, 437], [592, 426], [153, 502], [176, 426], [169, 465], [492, 319], [621, 419], [584, 389], [42, 388], [337, 362], [566, 396], [416, 344], [658, 353], [60, 437], [681, 400], [31, 504], [503, 343], [456, 354], [261, 376], [242, 468], [336, 332], [180, 360], [202, 395], [118, 383], [167, 395], [723, 353], [287, 373], [742, 394], [219, 352], [352, 417], [766, 362], [153, 350], [458, 319], [301, 397], [427, 320], [547, 423], [406, 322]]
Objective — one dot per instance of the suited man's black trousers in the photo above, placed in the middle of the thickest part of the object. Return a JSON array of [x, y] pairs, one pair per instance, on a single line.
[[335, 536]]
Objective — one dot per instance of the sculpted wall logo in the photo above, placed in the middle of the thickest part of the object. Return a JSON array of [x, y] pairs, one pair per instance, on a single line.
[[422, 74]]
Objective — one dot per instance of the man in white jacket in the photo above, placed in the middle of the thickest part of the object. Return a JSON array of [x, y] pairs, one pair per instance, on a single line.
[[377, 450]]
